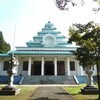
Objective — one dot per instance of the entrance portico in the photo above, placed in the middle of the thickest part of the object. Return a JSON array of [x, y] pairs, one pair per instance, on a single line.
[[45, 66]]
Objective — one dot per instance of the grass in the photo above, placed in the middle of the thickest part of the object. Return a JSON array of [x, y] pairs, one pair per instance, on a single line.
[[75, 92], [26, 92]]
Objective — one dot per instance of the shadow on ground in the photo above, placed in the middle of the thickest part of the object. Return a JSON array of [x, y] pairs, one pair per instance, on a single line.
[[62, 93], [43, 98]]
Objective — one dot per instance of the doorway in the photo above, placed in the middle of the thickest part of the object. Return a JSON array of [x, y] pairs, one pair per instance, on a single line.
[[61, 68], [49, 68], [36, 68]]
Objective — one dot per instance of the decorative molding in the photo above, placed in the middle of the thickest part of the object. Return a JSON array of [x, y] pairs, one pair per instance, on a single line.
[[49, 40]]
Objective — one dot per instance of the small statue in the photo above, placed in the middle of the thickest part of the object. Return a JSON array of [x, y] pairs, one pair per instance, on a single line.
[[10, 89], [12, 70]]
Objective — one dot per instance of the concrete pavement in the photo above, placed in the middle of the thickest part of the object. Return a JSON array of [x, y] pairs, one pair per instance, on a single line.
[[51, 93]]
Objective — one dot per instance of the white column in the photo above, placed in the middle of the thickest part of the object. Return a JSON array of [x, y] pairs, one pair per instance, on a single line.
[[81, 70], [95, 70], [21, 66], [77, 68], [65, 66], [42, 67], [29, 66], [68, 67], [1, 66], [55, 66], [17, 67]]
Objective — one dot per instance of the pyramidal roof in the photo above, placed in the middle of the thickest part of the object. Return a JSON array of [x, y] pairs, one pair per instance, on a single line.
[[48, 37], [48, 41]]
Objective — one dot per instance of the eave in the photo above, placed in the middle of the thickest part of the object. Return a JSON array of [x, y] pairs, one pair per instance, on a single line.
[[41, 53]]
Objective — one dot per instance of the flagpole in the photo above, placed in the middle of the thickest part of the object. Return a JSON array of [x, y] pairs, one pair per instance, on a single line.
[[14, 40]]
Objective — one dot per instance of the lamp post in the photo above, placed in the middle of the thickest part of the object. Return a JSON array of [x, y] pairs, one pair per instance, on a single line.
[[11, 89], [13, 63]]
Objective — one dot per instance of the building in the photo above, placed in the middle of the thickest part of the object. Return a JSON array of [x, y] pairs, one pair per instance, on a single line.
[[47, 54]]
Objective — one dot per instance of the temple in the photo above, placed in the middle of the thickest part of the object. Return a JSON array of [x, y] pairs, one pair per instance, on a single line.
[[49, 53]]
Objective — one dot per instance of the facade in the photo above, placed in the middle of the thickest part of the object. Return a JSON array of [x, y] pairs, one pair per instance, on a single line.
[[47, 54]]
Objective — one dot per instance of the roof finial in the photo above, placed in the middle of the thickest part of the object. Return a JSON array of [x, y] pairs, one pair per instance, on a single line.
[[48, 21]]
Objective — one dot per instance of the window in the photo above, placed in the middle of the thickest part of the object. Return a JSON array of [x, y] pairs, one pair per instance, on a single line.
[[25, 65], [49, 40], [6, 65], [72, 66]]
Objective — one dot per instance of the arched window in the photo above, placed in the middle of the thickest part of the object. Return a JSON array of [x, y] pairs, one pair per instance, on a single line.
[[49, 40]]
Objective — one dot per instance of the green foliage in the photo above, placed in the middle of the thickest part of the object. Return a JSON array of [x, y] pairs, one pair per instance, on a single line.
[[87, 36], [88, 53], [4, 47], [64, 4]]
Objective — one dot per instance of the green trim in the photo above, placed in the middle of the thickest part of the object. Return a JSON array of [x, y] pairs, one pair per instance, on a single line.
[[33, 43], [5, 55], [62, 37], [49, 47], [40, 53], [37, 37], [46, 28], [51, 32]]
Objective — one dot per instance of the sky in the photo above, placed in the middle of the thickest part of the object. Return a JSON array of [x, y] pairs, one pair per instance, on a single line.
[[25, 18]]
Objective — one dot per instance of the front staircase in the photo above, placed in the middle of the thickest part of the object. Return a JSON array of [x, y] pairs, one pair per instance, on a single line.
[[48, 80]]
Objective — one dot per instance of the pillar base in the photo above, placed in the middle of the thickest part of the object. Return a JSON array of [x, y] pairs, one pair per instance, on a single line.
[[9, 90], [90, 90]]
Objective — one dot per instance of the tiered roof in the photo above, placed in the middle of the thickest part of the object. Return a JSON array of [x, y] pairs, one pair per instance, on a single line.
[[48, 41], [49, 32]]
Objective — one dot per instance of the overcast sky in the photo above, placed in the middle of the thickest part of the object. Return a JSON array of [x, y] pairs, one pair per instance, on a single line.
[[30, 16]]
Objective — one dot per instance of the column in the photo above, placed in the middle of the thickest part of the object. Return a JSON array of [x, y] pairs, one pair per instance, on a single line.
[[29, 66], [42, 67], [81, 68], [55, 66], [20, 66], [65, 66], [1, 67], [68, 67], [77, 68], [17, 67], [95, 70]]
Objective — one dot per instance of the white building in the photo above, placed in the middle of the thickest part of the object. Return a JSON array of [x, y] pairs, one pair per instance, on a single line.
[[47, 54]]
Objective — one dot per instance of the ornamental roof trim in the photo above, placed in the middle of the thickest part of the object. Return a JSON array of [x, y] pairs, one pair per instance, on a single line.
[[40, 53], [5, 55], [46, 48]]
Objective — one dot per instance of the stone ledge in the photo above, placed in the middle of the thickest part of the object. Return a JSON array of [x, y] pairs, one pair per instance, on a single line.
[[14, 91], [90, 90]]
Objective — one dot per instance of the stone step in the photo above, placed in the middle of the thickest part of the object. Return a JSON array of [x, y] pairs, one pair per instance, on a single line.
[[49, 80]]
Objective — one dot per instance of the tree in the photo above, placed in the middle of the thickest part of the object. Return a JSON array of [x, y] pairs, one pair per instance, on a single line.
[[4, 47], [64, 4], [87, 36]]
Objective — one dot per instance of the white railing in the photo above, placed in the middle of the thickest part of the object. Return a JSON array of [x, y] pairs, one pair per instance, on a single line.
[[45, 49]]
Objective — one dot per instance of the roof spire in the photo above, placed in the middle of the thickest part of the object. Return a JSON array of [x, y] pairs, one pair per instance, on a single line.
[[48, 21]]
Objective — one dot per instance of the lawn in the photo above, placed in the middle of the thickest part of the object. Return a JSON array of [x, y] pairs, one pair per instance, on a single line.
[[26, 92], [75, 92]]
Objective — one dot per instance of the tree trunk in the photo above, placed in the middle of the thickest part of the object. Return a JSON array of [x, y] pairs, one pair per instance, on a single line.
[[98, 77]]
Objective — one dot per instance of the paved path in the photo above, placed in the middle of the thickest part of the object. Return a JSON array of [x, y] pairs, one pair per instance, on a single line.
[[51, 93]]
